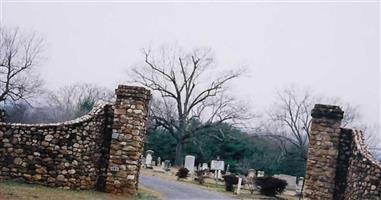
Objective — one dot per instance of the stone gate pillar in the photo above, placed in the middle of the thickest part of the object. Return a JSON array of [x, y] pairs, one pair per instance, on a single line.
[[323, 152], [129, 126]]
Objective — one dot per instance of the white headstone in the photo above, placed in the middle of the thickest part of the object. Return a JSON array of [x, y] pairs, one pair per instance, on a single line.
[[217, 165], [219, 174], [149, 158], [189, 163], [204, 166], [158, 161], [261, 173], [239, 185]]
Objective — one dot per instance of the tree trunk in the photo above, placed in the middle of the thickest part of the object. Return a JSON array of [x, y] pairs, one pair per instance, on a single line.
[[179, 159]]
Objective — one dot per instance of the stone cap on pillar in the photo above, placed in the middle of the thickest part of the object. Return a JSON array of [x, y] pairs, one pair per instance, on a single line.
[[125, 91], [327, 111]]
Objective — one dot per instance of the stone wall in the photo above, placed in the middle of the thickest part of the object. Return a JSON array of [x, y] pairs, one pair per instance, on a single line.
[[339, 165], [82, 153], [364, 172], [60, 155]]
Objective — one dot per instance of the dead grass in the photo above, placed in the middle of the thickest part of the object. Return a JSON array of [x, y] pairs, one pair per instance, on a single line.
[[10, 190]]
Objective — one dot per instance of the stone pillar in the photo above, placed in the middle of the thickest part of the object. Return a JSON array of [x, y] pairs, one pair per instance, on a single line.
[[129, 128], [323, 152]]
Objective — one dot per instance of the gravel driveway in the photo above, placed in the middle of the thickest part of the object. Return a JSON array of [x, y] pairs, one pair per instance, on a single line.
[[175, 190]]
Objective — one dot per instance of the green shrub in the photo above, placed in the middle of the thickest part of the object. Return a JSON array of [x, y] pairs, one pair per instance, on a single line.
[[230, 180], [182, 173], [271, 186]]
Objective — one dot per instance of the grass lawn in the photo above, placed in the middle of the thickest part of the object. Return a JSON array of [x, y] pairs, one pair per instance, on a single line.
[[10, 190]]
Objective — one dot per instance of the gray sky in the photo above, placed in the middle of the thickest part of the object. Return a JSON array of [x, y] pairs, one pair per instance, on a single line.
[[333, 48]]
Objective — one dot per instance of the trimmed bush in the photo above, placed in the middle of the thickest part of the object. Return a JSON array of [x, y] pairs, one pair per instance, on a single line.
[[230, 180], [182, 173], [270, 186]]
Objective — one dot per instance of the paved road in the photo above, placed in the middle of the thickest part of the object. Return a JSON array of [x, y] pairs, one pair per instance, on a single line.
[[175, 190]]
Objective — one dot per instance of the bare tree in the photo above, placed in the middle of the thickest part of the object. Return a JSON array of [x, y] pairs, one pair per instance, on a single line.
[[63, 104], [187, 100], [291, 117], [19, 55], [75, 100], [372, 138]]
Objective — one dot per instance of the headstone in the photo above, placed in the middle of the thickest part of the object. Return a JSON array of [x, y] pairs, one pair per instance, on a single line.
[[148, 162], [167, 165], [299, 186], [153, 163], [299, 181], [189, 163], [239, 185], [158, 161], [217, 165], [143, 161], [250, 181], [204, 166], [219, 174], [251, 173], [163, 165], [261, 173]]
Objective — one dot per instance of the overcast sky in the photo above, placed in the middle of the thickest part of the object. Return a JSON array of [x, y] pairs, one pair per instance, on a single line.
[[333, 48]]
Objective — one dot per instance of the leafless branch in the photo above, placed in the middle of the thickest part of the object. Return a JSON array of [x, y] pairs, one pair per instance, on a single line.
[[19, 55]]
